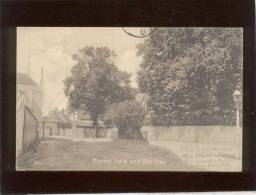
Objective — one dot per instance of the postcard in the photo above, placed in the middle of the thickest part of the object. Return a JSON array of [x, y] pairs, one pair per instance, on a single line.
[[129, 99]]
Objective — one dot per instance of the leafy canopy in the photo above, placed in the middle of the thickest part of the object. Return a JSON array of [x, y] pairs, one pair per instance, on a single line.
[[190, 74], [95, 82]]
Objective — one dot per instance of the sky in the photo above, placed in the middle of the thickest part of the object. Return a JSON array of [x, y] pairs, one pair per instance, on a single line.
[[52, 48]]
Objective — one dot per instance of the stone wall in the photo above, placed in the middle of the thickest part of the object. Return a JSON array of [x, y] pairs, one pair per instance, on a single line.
[[209, 134]]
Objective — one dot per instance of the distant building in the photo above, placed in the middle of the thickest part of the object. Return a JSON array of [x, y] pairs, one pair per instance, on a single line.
[[26, 87], [83, 126], [143, 99], [57, 123], [29, 103]]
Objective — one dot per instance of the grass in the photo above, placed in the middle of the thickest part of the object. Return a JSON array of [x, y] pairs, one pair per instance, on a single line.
[[207, 156], [65, 155]]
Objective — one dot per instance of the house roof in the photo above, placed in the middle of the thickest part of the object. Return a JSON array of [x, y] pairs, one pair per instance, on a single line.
[[142, 99], [87, 123], [82, 115], [57, 117], [84, 123], [24, 79], [64, 117], [49, 119]]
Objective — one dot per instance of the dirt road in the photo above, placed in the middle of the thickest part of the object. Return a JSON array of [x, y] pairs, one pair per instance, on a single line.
[[66, 155]]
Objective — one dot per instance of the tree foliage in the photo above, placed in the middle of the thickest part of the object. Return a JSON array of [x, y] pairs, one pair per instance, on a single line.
[[95, 82], [128, 116], [190, 74]]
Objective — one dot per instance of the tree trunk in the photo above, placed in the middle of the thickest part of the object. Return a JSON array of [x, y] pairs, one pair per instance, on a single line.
[[95, 126]]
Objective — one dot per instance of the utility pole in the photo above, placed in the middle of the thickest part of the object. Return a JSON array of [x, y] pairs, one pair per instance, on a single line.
[[29, 52], [237, 100], [42, 88]]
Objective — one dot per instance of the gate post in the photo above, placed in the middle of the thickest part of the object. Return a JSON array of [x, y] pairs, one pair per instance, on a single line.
[[43, 130]]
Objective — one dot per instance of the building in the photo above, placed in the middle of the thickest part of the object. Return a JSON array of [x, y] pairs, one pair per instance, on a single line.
[[57, 123], [143, 100], [83, 126], [29, 104]]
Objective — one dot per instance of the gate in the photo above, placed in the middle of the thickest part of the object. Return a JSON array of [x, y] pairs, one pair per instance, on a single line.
[[30, 133]]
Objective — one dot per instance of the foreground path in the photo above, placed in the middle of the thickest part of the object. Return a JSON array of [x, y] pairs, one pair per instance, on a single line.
[[57, 154]]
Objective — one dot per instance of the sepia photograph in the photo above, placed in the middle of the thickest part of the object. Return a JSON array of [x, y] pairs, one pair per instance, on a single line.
[[129, 99]]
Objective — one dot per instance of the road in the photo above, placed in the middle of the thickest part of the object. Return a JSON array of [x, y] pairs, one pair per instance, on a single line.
[[67, 155]]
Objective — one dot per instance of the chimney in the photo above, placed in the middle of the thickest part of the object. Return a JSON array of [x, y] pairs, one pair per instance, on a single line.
[[42, 86], [29, 52]]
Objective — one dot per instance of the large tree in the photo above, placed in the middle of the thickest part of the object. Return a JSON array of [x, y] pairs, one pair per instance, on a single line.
[[190, 74], [96, 82]]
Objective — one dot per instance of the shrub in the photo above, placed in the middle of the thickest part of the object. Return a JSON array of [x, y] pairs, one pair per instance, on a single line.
[[128, 117]]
